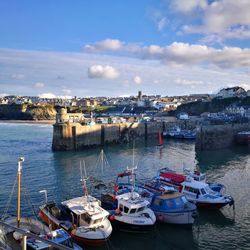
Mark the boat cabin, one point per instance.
(196, 175)
(169, 201)
(197, 188)
(86, 211)
(131, 203)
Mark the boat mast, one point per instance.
(21, 159)
(84, 178)
(132, 169)
(102, 159)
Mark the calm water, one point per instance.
(59, 174)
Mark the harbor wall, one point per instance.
(211, 137)
(74, 136)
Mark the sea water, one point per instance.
(59, 174)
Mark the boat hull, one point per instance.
(127, 227)
(212, 206)
(179, 218)
(88, 242)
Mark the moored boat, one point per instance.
(58, 236)
(196, 191)
(132, 213)
(83, 217)
(169, 205)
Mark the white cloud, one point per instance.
(3, 94)
(46, 66)
(67, 91)
(188, 6)
(107, 44)
(221, 20)
(47, 95)
(158, 18)
(103, 71)
(179, 54)
(17, 76)
(39, 85)
(185, 82)
(137, 80)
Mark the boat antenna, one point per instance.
(45, 194)
(20, 161)
(132, 170)
(83, 178)
(102, 159)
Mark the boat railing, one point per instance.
(26, 233)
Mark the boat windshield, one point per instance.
(85, 218)
(140, 209)
(97, 221)
(208, 190)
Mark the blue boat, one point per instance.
(169, 205)
(58, 236)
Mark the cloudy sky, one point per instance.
(115, 48)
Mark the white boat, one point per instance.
(133, 213)
(91, 223)
(82, 217)
(196, 191)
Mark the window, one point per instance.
(133, 210)
(121, 208)
(140, 209)
(203, 191)
(97, 221)
(126, 209)
(86, 218)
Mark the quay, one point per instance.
(70, 134)
(211, 137)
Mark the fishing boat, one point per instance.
(178, 133)
(169, 205)
(198, 176)
(129, 210)
(178, 178)
(189, 134)
(83, 217)
(28, 223)
(196, 191)
(132, 213)
(58, 236)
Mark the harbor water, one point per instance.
(59, 174)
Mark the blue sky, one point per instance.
(114, 48)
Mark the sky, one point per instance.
(115, 48)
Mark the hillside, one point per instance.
(27, 112)
(216, 105)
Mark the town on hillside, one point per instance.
(228, 105)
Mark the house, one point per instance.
(231, 92)
(183, 116)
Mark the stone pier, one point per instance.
(211, 137)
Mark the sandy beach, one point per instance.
(29, 121)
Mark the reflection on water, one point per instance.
(59, 173)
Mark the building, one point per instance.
(231, 92)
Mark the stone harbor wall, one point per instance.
(218, 136)
(74, 136)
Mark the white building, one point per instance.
(231, 92)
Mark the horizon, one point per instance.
(163, 47)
